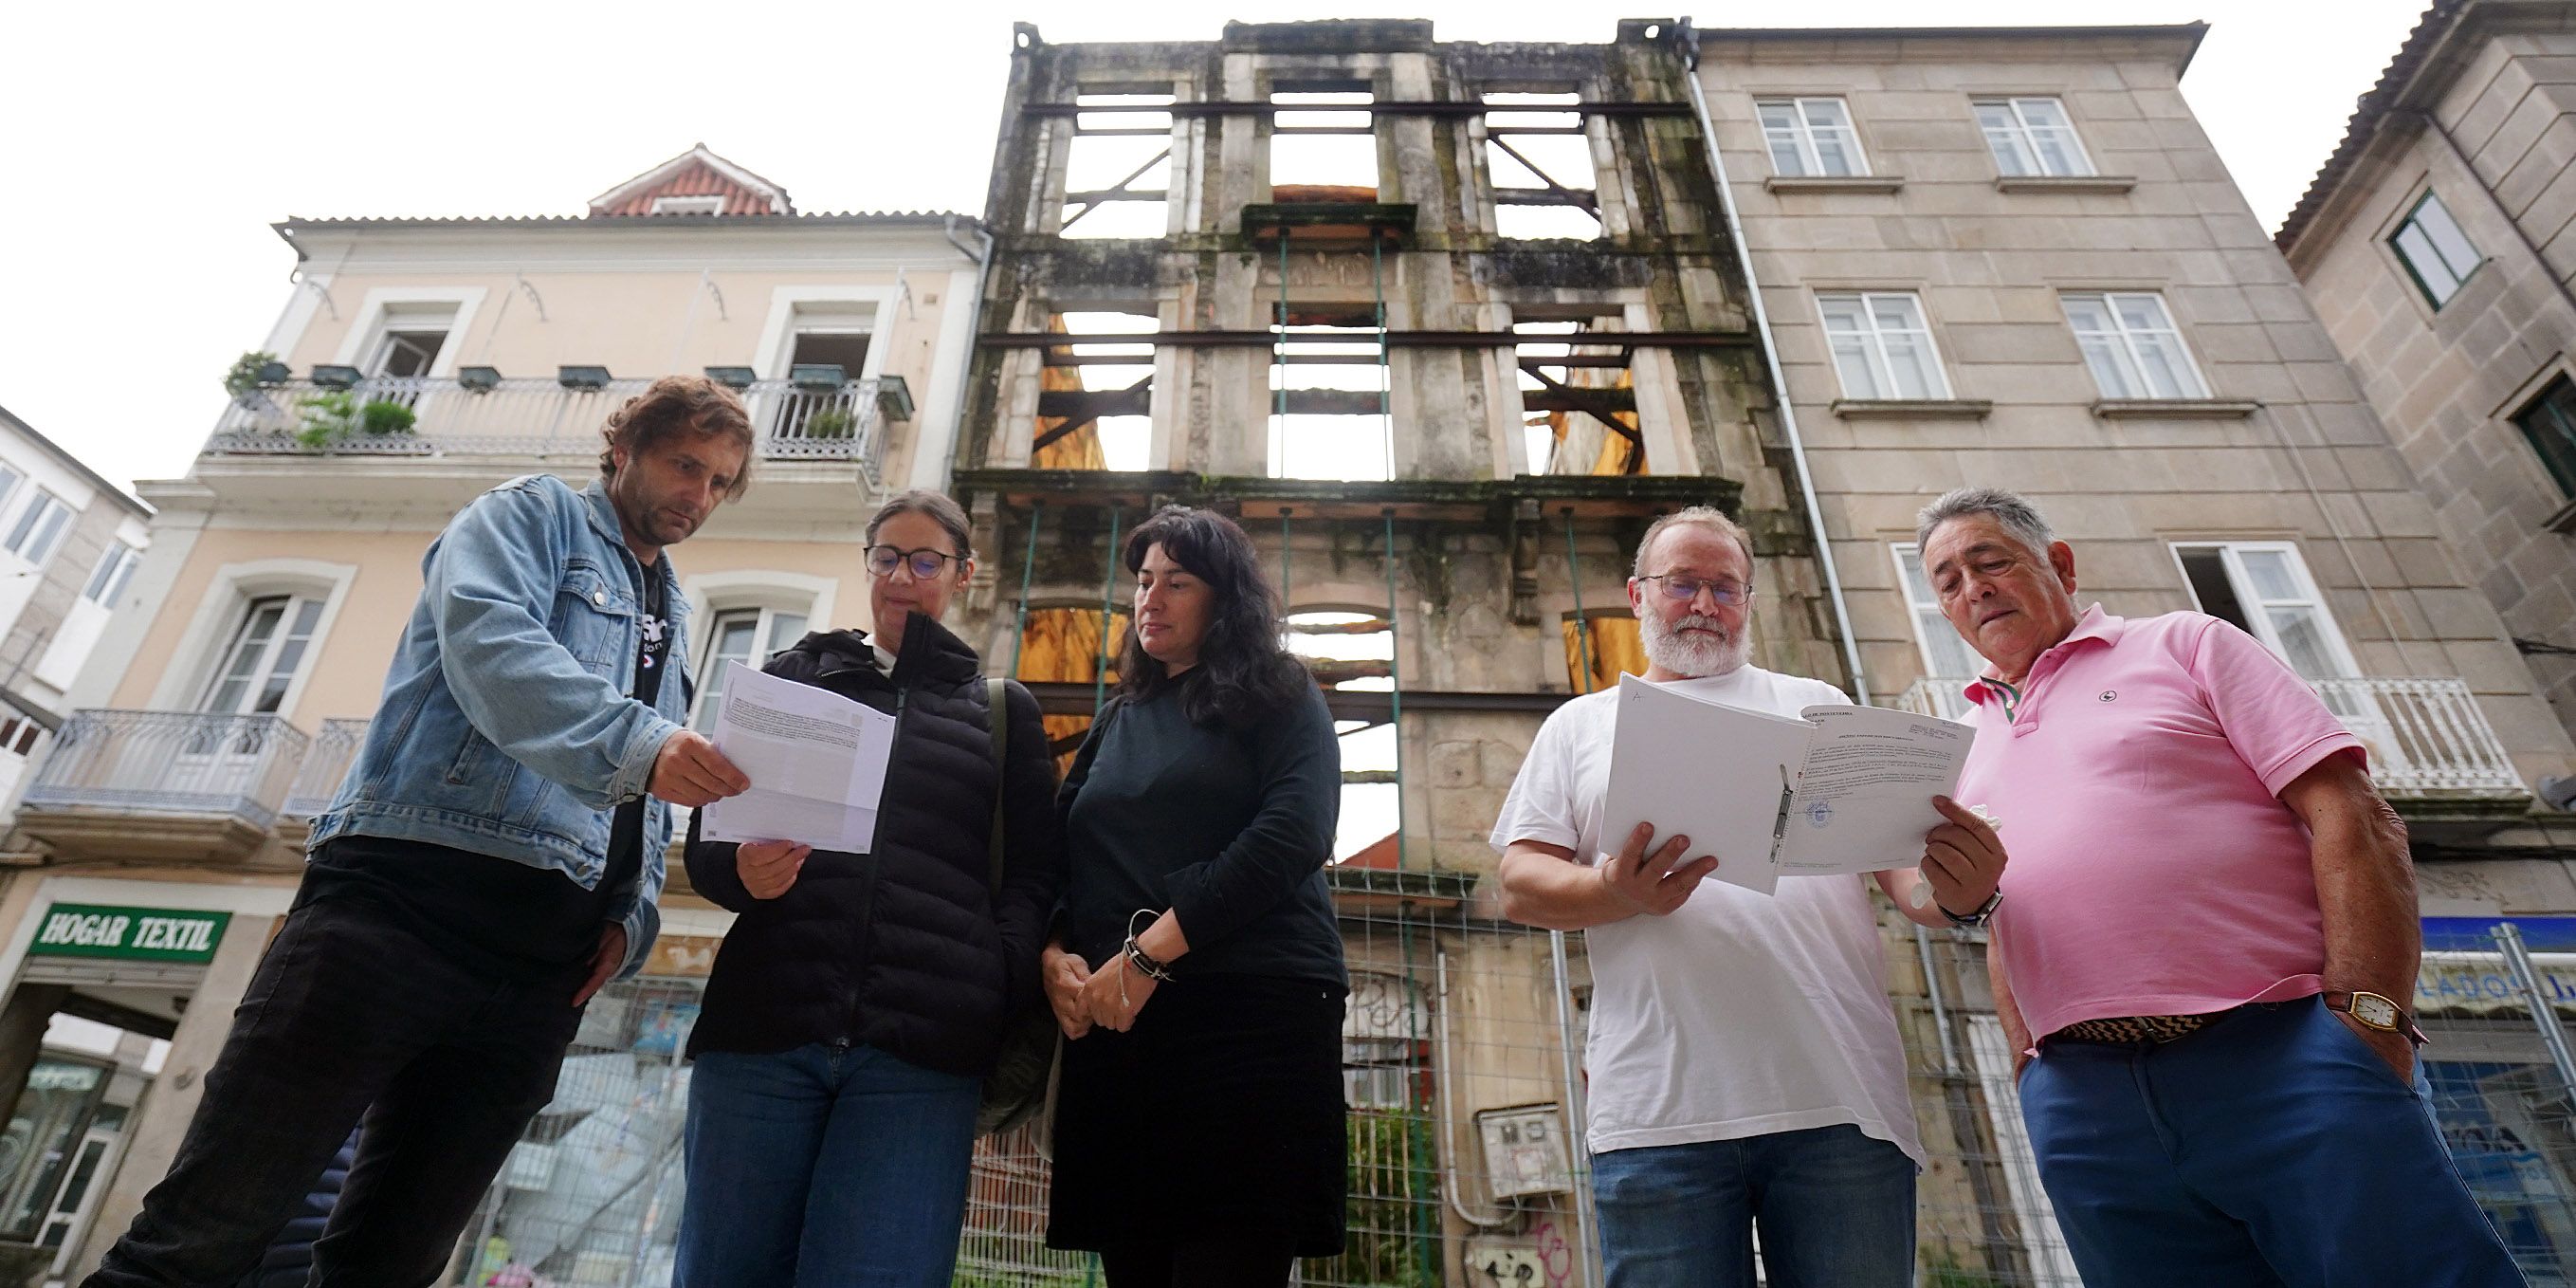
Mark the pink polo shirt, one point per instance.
(2151, 868)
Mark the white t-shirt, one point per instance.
(1740, 1014)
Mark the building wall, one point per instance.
(2309, 464)
(2447, 382)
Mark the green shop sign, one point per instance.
(137, 934)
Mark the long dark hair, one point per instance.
(1242, 675)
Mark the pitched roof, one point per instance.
(696, 173)
(2367, 113)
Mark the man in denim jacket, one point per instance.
(492, 858)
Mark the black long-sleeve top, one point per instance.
(1230, 830)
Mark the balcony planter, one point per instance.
(582, 377)
(818, 377)
(253, 371)
(336, 377)
(894, 398)
(733, 378)
(481, 380)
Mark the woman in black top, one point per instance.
(860, 998)
(1199, 1127)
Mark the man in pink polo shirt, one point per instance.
(2206, 942)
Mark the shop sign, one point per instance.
(2451, 983)
(135, 934)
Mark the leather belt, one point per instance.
(2129, 1030)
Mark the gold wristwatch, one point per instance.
(2374, 1010)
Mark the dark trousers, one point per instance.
(351, 1015)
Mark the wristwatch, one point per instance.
(1984, 913)
(2374, 1010)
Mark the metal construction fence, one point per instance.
(1462, 1068)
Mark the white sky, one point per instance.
(151, 145)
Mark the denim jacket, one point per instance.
(506, 727)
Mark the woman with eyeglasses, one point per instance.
(860, 998)
(1198, 973)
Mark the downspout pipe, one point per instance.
(1771, 365)
(983, 257)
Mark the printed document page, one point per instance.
(1720, 775)
(816, 760)
(1865, 799)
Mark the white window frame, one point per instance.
(703, 204)
(109, 577)
(1908, 582)
(778, 333)
(1881, 371)
(765, 619)
(2458, 268)
(2123, 346)
(41, 523)
(2259, 621)
(713, 595)
(264, 667)
(227, 599)
(2021, 137)
(1800, 135)
(10, 477)
(394, 304)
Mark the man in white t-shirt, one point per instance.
(1745, 1068)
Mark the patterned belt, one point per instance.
(2129, 1030)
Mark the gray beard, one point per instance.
(1692, 656)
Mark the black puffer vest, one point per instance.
(904, 949)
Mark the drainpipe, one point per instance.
(1771, 364)
(983, 257)
(1448, 1130)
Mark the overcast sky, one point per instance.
(150, 146)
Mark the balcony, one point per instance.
(333, 751)
(162, 785)
(2429, 744)
(534, 419)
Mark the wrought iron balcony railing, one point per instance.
(2426, 736)
(415, 416)
(170, 762)
(324, 766)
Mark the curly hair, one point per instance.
(669, 405)
(1242, 676)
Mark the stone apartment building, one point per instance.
(2434, 245)
(69, 545)
(1444, 324)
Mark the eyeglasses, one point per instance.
(925, 563)
(1684, 589)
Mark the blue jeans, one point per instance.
(824, 1167)
(1835, 1209)
(2273, 1148)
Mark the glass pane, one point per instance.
(46, 1127)
(27, 522)
(2438, 281)
(1945, 654)
(2550, 425)
(2141, 312)
(1777, 115)
(2168, 373)
(1835, 155)
(2271, 574)
(2004, 139)
(1918, 587)
(1896, 312)
(2447, 238)
(1842, 313)
(1784, 152)
(2057, 152)
(243, 660)
(2088, 313)
(1910, 366)
(1852, 363)
(784, 630)
(2109, 362)
(2303, 645)
(2043, 113)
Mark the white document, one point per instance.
(1842, 790)
(816, 760)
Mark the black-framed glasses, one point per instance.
(925, 563)
(1684, 589)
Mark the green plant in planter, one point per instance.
(385, 416)
(831, 422)
(250, 371)
(326, 417)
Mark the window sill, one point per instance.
(1833, 183)
(2175, 408)
(2563, 522)
(2078, 183)
(1912, 408)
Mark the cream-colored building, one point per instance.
(2434, 246)
(416, 363)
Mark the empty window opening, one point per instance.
(1063, 644)
(824, 358)
(710, 204)
(1118, 170)
(1095, 400)
(1329, 397)
(1356, 652)
(1538, 158)
(1313, 146)
(1578, 400)
(408, 342)
(1608, 640)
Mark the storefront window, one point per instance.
(37, 1151)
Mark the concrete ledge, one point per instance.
(1834, 183)
(1912, 408)
(2175, 408)
(2079, 183)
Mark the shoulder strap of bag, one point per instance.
(997, 714)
